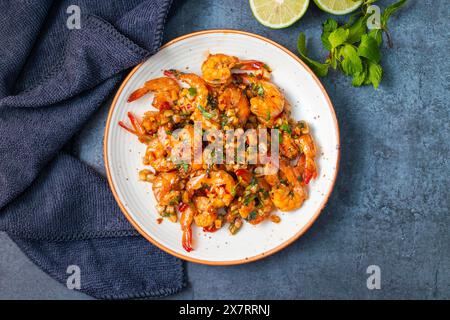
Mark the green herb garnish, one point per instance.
(233, 190)
(353, 48)
(184, 166)
(192, 91)
(205, 113)
(260, 90)
(252, 216)
(286, 128)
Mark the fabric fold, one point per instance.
(58, 210)
(129, 273)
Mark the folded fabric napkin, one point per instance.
(53, 78)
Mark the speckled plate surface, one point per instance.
(123, 153)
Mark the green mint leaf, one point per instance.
(338, 37)
(327, 27)
(375, 73)
(368, 48)
(332, 59)
(320, 69)
(376, 34)
(390, 10)
(351, 64)
(360, 77)
(357, 29)
(330, 25)
(192, 91)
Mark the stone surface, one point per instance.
(390, 206)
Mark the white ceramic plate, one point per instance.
(123, 152)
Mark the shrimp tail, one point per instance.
(172, 73)
(186, 240)
(136, 129)
(137, 94)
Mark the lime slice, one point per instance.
(277, 14)
(338, 7)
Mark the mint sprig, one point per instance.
(353, 48)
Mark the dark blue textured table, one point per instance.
(391, 203)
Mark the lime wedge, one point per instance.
(338, 7)
(277, 14)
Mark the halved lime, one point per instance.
(277, 14)
(338, 7)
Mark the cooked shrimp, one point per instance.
(165, 89)
(207, 212)
(288, 193)
(216, 69)
(234, 104)
(136, 129)
(222, 185)
(195, 95)
(188, 212)
(194, 100)
(164, 185)
(307, 146)
(166, 188)
(255, 203)
(288, 199)
(157, 154)
(218, 185)
(306, 166)
(151, 122)
(267, 102)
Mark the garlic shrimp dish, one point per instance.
(194, 180)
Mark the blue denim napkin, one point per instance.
(58, 210)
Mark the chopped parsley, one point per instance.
(192, 91)
(252, 215)
(258, 89)
(286, 128)
(184, 166)
(233, 190)
(205, 113)
(249, 199)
